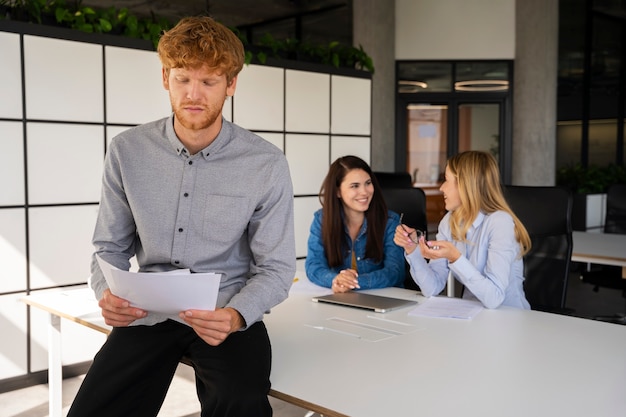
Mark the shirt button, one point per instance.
(190, 162)
(180, 229)
(176, 262)
(186, 194)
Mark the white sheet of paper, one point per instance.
(163, 292)
(447, 307)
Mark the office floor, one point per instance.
(181, 400)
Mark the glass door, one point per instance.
(434, 132)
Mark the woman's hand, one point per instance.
(403, 239)
(345, 281)
(436, 249)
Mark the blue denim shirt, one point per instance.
(389, 272)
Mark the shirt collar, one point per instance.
(220, 141)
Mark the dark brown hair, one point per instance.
(333, 236)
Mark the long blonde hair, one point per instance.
(478, 181)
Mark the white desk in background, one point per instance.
(503, 362)
(600, 248)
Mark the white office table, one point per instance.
(503, 362)
(600, 248)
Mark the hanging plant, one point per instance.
(122, 22)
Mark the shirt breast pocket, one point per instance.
(225, 218)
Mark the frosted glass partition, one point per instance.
(308, 102)
(11, 76)
(304, 207)
(351, 103)
(351, 145)
(259, 98)
(12, 162)
(60, 244)
(13, 250)
(135, 92)
(13, 355)
(308, 157)
(65, 84)
(68, 155)
(79, 94)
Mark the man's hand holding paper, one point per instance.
(133, 295)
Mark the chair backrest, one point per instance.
(411, 202)
(615, 221)
(546, 212)
(394, 179)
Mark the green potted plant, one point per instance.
(588, 184)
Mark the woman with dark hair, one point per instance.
(480, 240)
(351, 238)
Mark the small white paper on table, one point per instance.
(447, 307)
(163, 292)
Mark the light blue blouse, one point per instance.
(390, 272)
(490, 266)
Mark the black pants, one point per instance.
(132, 372)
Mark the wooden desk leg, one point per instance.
(55, 371)
(624, 272)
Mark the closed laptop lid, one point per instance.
(377, 303)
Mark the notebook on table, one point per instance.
(377, 303)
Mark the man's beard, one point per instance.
(207, 119)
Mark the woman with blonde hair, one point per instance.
(480, 240)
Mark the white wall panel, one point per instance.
(12, 163)
(259, 98)
(351, 105)
(13, 250)
(60, 244)
(455, 29)
(135, 92)
(13, 354)
(78, 343)
(350, 145)
(11, 76)
(304, 207)
(65, 163)
(307, 96)
(308, 161)
(63, 80)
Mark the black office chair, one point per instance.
(546, 212)
(608, 276)
(411, 202)
(394, 179)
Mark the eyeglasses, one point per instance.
(415, 235)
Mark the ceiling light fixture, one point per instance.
(482, 85)
(420, 84)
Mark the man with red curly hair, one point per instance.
(192, 191)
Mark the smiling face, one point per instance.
(355, 191)
(450, 190)
(197, 97)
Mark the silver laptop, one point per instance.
(357, 299)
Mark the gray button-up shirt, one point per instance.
(227, 209)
